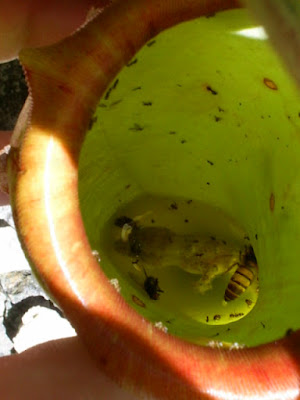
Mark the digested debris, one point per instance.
(135, 263)
(236, 315)
(114, 103)
(212, 91)
(270, 84)
(132, 62)
(136, 127)
(149, 44)
(249, 302)
(170, 321)
(173, 206)
(138, 301)
(115, 84)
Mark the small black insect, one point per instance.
(151, 286)
(132, 62)
(212, 91)
(289, 332)
(173, 206)
(149, 44)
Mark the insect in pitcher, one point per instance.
(154, 246)
(151, 286)
(243, 276)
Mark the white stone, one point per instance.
(40, 325)
(11, 253)
(6, 214)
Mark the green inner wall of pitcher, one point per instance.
(201, 113)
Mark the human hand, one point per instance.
(60, 369)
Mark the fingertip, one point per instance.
(40, 23)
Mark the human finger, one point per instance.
(60, 369)
(34, 23)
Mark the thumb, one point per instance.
(39, 23)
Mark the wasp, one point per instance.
(243, 276)
(155, 246)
